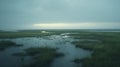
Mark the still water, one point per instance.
(63, 42)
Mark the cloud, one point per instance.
(85, 25)
(32, 11)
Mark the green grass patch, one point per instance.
(6, 44)
(22, 34)
(41, 56)
(105, 53)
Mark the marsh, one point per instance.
(72, 48)
(62, 43)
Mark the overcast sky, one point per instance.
(88, 14)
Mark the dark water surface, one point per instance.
(63, 42)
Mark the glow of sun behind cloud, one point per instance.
(84, 25)
(63, 25)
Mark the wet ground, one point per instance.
(62, 42)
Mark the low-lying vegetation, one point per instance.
(32, 33)
(105, 51)
(105, 47)
(22, 34)
(6, 44)
(41, 56)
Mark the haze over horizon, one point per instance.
(59, 14)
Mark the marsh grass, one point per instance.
(32, 33)
(6, 44)
(42, 56)
(20, 34)
(105, 53)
